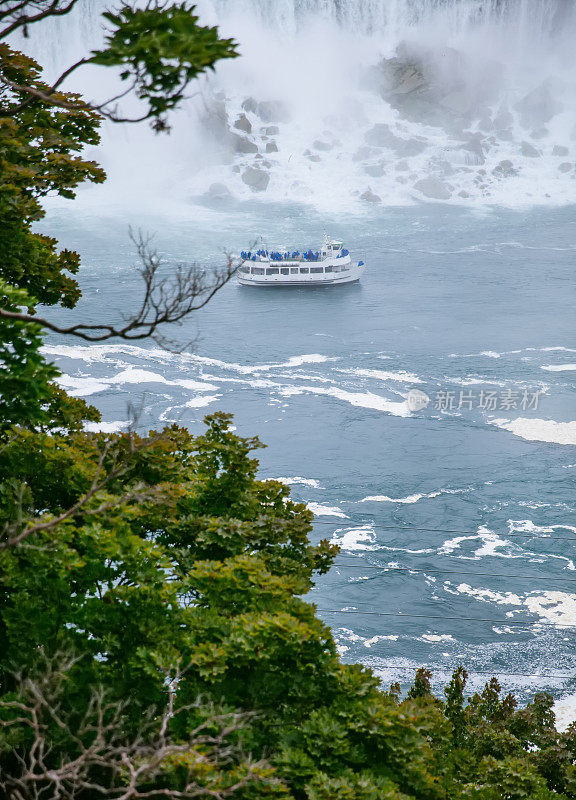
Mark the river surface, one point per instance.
(457, 522)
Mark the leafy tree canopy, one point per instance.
(155, 639)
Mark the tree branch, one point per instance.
(51, 9)
(165, 301)
(21, 529)
(99, 758)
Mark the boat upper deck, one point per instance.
(331, 250)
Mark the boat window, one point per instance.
(272, 271)
(245, 269)
(294, 270)
(258, 271)
(304, 270)
(336, 268)
(329, 269)
(336, 246)
(316, 269)
(285, 271)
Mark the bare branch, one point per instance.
(49, 8)
(166, 300)
(100, 758)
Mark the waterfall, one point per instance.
(343, 103)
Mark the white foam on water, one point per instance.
(367, 400)
(553, 606)
(106, 427)
(298, 481)
(412, 498)
(104, 353)
(565, 711)
(326, 511)
(401, 376)
(560, 367)
(475, 382)
(489, 596)
(81, 387)
(539, 430)
(527, 526)
(436, 637)
(297, 361)
(382, 498)
(382, 638)
(134, 375)
(201, 402)
(488, 353)
(491, 545)
(563, 349)
(353, 539)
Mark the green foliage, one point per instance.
(160, 49)
(161, 564)
(185, 558)
(40, 154)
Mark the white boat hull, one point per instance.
(329, 272)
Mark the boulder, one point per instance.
(217, 191)
(313, 157)
(272, 130)
(433, 188)
(271, 147)
(380, 135)
(503, 119)
(375, 170)
(369, 197)
(459, 102)
(415, 83)
(485, 124)
(272, 111)
(529, 151)
(250, 105)
(475, 150)
(505, 169)
(216, 119)
(411, 147)
(465, 195)
(560, 150)
(256, 179)
(243, 124)
(319, 145)
(363, 153)
(539, 106)
(242, 145)
(566, 166)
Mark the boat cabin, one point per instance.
(331, 249)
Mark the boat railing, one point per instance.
(276, 257)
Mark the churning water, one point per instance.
(437, 139)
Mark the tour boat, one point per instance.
(329, 266)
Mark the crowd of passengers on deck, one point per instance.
(264, 255)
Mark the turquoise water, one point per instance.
(461, 515)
